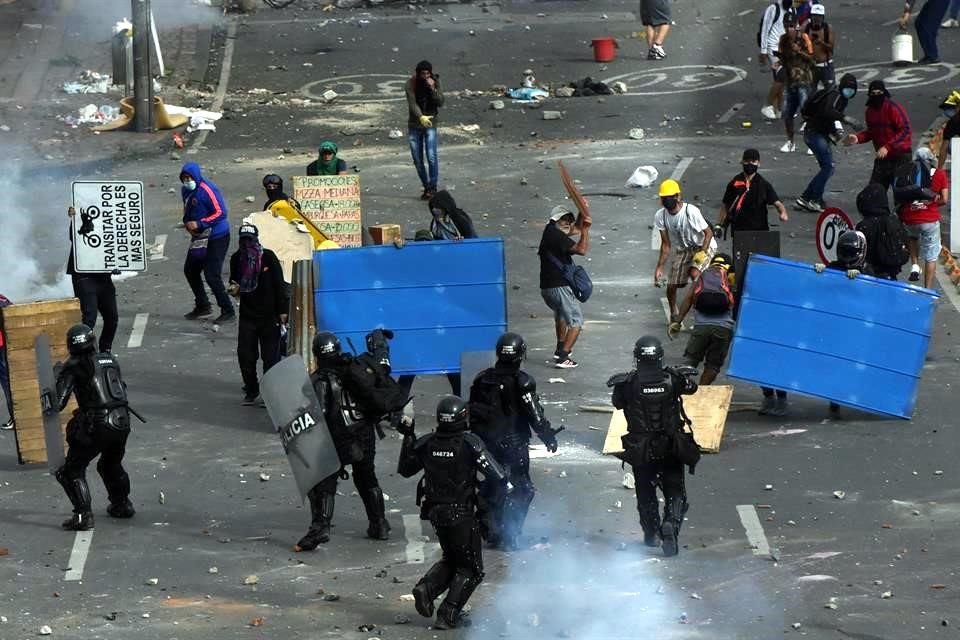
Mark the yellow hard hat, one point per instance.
(952, 100)
(669, 187)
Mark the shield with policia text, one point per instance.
(297, 416)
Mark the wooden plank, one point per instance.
(707, 409)
(23, 338)
(32, 309)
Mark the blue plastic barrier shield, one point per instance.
(860, 343)
(441, 298)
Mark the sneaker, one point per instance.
(250, 399)
(8, 425)
(809, 151)
(658, 51)
(651, 54)
(914, 273)
(788, 147)
(559, 354)
(224, 317)
(199, 312)
(809, 204)
(950, 23)
(567, 363)
(769, 112)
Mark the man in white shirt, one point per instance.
(685, 236)
(771, 28)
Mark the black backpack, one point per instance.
(814, 107)
(713, 293)
(912, 181)
(367, 380)
(760, 27)
(886, 240)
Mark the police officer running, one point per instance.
(99, 426)
(353, 431)
(656, 444)
(504, 407)
(450, 459)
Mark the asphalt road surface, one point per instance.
(880, 563)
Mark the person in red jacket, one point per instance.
(888, 127)
(922, 218)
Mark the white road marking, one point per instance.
(136, 335)
(413, 532)
(729, 113)
(78, 556)
(949, 289)
(677, 175)
(755, 535)
(221, 85)
(159, 244)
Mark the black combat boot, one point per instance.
(650, 522)
(79, 495)
(673, 514)
(379, 528)
(321, 511)
(118, 491)
(448, 614)
(422, 599)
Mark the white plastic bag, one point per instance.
(642, 177)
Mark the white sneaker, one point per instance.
(769, 112)
(809, 151)
(914, 273)
(788, 147)
(950, 23)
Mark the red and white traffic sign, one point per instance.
(832, 222)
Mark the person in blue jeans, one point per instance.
(823, 114)
(424, 99)
(205, 217)
(927, 24)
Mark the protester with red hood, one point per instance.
(888, 128)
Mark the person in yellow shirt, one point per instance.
(280, 204)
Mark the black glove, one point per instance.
(549, 438)
(405, 425)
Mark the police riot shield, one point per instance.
(297, 416)
(52, 436)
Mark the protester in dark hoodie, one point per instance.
(205, 217)
(885, 234)
(328, 164)
(256, 277)
(888, 128)
(448, 221)
(424, 99)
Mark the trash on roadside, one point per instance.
(588, 87)
(642, 177)
(88, 82)
(395, 134)
(564, 92)
(529, 94)
(629, 482)
(636, 133)
(45, 630)
(329, 95)
(556, 381)
(250, 199)
(251, 580)
(92, 114)
(200, 119)
(839, 495)
(552, 115)
(470, 128)
(619, 87)
(497, 105)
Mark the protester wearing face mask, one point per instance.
(824, 115)
(823, 39)
(328, 164)
(888, 128)
(747, 198)
(951, 110)
(684, 233)
(280, 204)
(205, 218)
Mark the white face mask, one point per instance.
(190, 185)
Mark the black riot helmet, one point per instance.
(451, 414)
(851, 248)
(511, 349)
(326, 347)
(648, 353)
(80, 340)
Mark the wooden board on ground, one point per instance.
(21, 325)
(333, 203)
(284, 238)
(707, 409)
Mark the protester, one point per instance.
(888, 128)
(713, 304)
(922, 218)
(256, 278)
(886, 235)
(683, 233)
(280, 204)
(424, 99)
(747, 199)
(928, 24)
(951, 129)
(796, 56)
(824, 41)
(448, 221)
(205, 217)
(556, 249)
(328, 164)
(768, 38)
(5, 372)
(655, 17)
(95, 291)
(823, 115)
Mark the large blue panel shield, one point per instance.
(860, 343)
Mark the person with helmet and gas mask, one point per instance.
(99, 427)
(504, 409)
(450, 459)
(280, 204)
(656, 444)
(684, 233)
(352, 428)
(713, 303)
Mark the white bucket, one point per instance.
(902, 48)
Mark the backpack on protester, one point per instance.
(886, 240)
(776, 19)
(712, 291)
(575, 275)
(911, 182)
(815, 105)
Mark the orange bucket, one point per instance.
(604, 49)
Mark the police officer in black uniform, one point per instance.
(450, 459)
(99, 426)
(504, 408)
(353, 432)
(650, 398)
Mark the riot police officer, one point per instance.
(504, 408)
(99, 426)
(450, 459)
(353, 432)
(650, 398)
